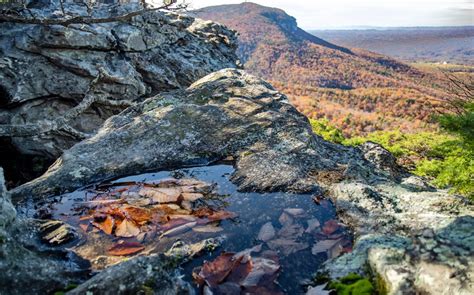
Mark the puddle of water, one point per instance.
(253, 210)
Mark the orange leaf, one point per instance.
(107, 225)
(125, 248)
(139, 215)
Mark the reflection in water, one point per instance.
(301, 233)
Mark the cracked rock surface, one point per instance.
(45, 71)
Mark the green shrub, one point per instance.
(330, 133)
(446, 159)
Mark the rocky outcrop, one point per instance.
(413, 238)
(411, 235)
(227, 113)
(59, 83)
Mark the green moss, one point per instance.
(353, 284)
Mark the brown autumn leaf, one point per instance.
(264, 272)
(172, 223)
(325, 246)
(179, 230)
(330, 226)
(107, 225)
(125, 248)
(215, 272)
(127, 229)
(137, 214)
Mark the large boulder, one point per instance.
(227, 113)
(46, 71)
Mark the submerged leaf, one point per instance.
(286, 247)
(179, 230)
(285, 219)
(330, 226)
(267, 232)
(313, 224)
(324, 246)
(214, 272)
(125, 248)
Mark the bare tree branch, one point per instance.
(169, 5)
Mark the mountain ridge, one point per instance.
(273, 47)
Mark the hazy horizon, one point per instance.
(347, 14)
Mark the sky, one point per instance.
(327, 14)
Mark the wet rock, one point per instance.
(56, 232)
(25, 266)
(226, 113)
(152, 274)
(46, 70)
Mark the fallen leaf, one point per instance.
(263, 273)
(324, 246)
(285, 219)
(208, 229)
(295, 212)
(173, 223)
(107, 225)
(330, 226)
(125, 248)
(291, 231)
(313, 224)
(215, 272)
(245, 254)
(267, 232)
(286, 247)
(127, 229)
(179, 230)
(137, 214)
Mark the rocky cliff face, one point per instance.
(59, 83)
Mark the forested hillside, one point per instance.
(359, 91)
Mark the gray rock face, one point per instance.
(141, 275)
(227, 113)
(416, 239)
(46, 71)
